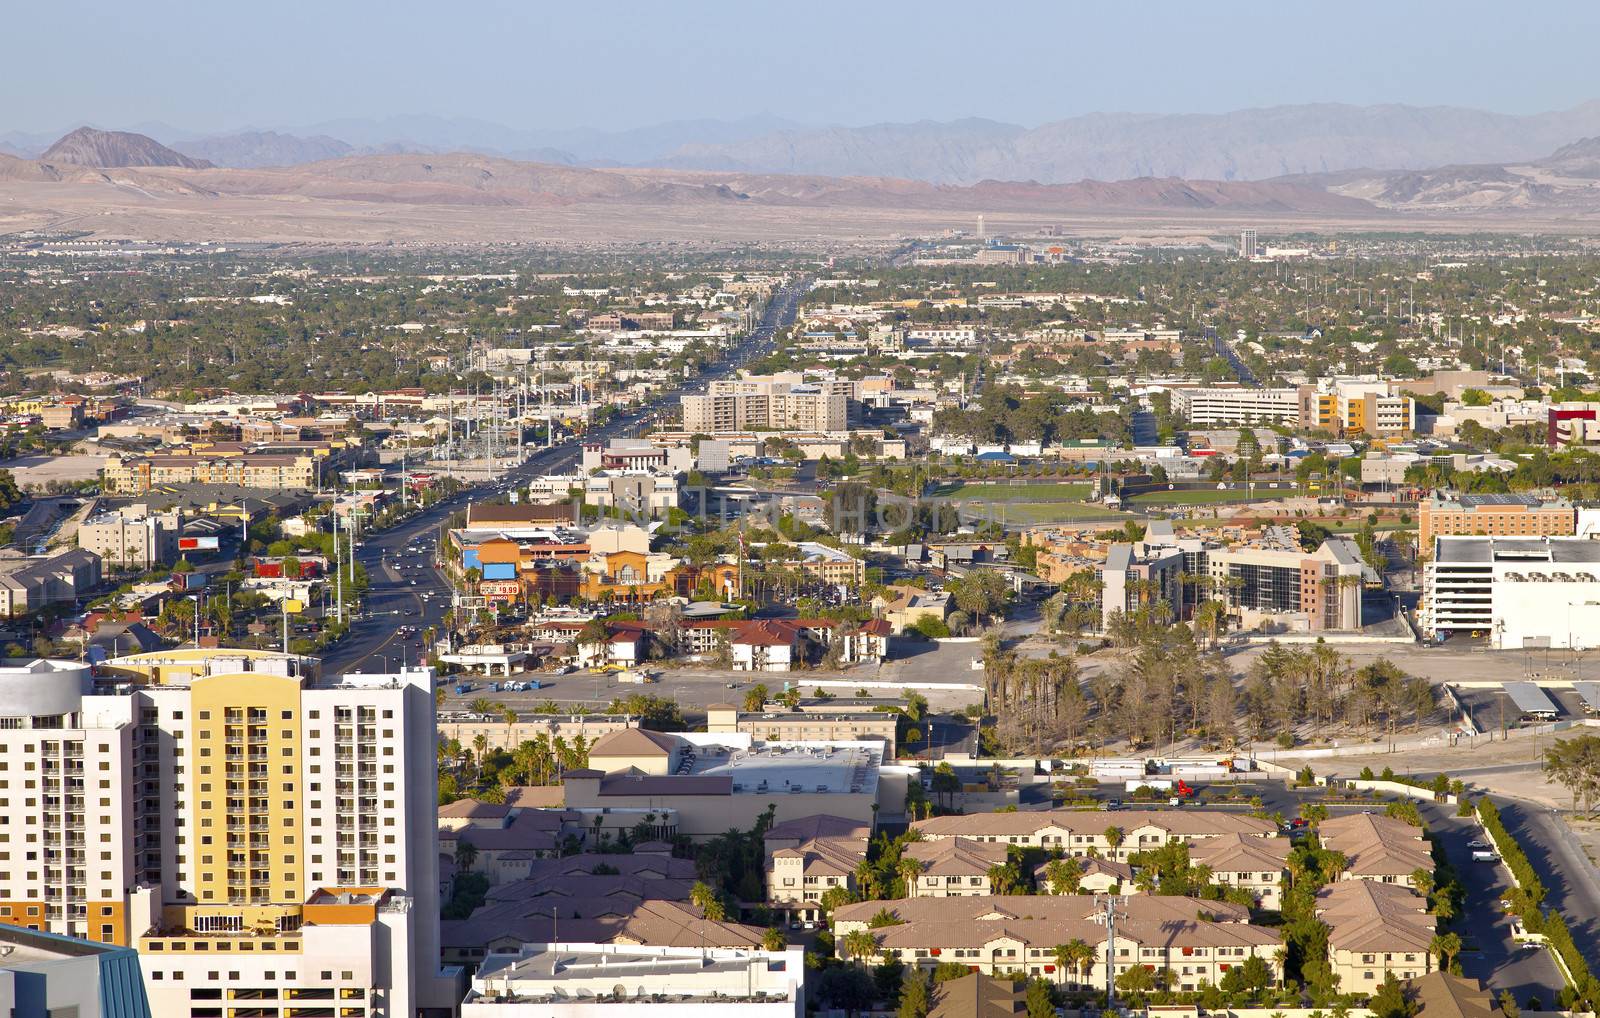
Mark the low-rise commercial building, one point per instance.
(572, 980)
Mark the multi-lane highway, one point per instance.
(398, 560)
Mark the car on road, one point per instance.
(1478, 843)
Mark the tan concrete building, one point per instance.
(1377, 848)
(774, 405)
(131, 539)
(809, 855)
(270, 471)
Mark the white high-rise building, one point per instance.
(1247, 244)
(256, 832)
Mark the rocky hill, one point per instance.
(90, 147)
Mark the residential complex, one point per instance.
(756, 404)
(995, 935)
(1080, 833)
(1270, 583)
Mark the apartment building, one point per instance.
(1493, 515)
(807, 856)
(1375, 930)
(1076, 832)
(1278, 584)
(1518, 592)
(131, 538)
(257, 833)
(1378, 849)
(1258, 865)
(952, 867)
(994, 935)
(268, 471)
(736, 405)
(1233, 405)
(634, 493)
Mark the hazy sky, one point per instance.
(222, 65)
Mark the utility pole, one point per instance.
(1110, 908)
(338, 567)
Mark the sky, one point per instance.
(613, 64)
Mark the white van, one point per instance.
(1485, 857)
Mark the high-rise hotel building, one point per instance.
(264, 837)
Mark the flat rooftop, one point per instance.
(568, 974)
(796, 767)
(1484, 550)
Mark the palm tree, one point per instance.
(481, 705)
(1083, 954)
(1445, 947)
(909, 869)
(1114, 836)
(859, 945)
(466, 853)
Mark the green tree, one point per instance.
(914, 1001)
(1040, 1004)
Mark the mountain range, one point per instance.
(1252, 144)
(132, 185)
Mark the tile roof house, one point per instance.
(1375, 929)
(978, 996)
(1377, 847)
(953, 867)
(1259, 865)
(1018, 934)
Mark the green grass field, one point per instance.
(1059, 512)
(1203, 496)
(1045, 491)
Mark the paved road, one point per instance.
(1572, 885)
(398, 578)
(1490, 954)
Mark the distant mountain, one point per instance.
(250, 149)
(1253, 144)
(632, 146)
(89, 147)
